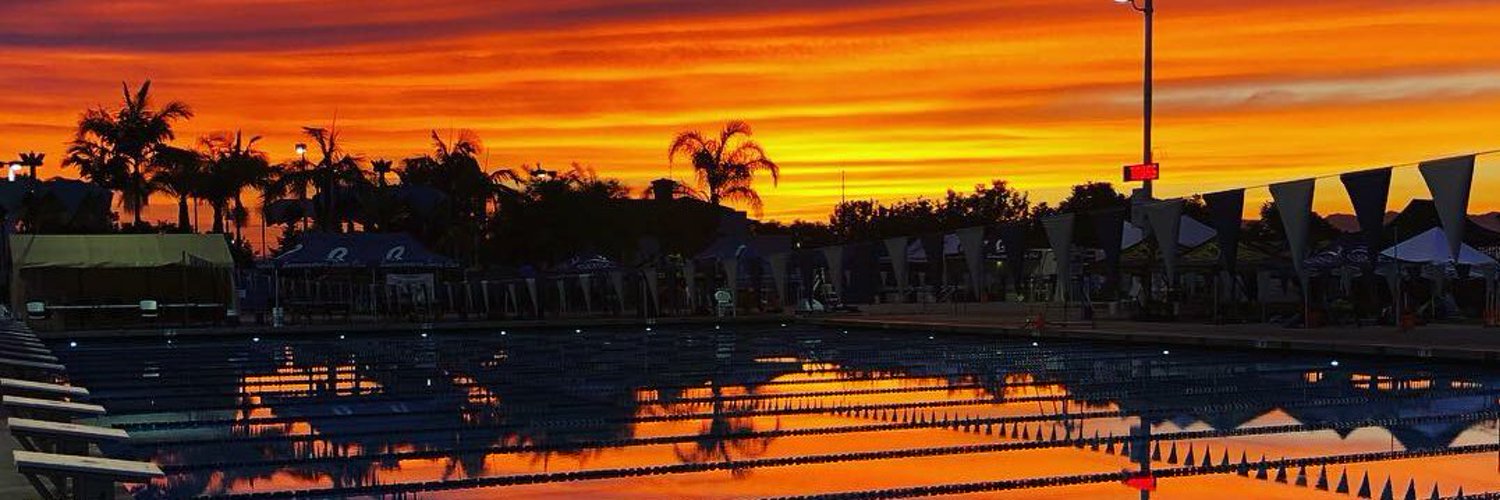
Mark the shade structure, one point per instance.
(834, 255)
(1109, 227)
(1190, 233)
(359, 250)
(193, 271)
(118, 251)
(971, 241)
(1060, 235)
(779, 275)
(1165, 218)
(933, 252)
(1431, 247)
(617, 282)
(1009, 245)
(895, 248)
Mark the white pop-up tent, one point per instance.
(1431, 248)
(1190, 234)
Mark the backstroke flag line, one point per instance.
(1165, 218)
(1294, 203)
(1449, 181)
(1226, 210)
(1060, 235)
(1368, 190)
(972, 241)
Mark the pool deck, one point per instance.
(397, 327)
(1439, 341)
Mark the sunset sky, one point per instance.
(907, 97)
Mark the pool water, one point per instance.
(781, 411)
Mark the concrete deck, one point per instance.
(396, 327)
(1442, 341)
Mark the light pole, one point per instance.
(1147, 8)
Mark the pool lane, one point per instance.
(745, 412)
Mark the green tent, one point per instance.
(100, 280)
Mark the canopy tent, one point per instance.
(1206, 256)
(738, 247)
(1349, 250)
(359, 250)
(1191, 234)
(1431, 247)
(586, 264)
(118, 251)
(88, 276)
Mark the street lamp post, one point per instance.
(1147, 8)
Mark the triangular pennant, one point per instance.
(1165, 218)
(1368, 191)
(1449, 180)
(895, 248)
(779, 275)
(1294, 203)
(971, 242)
(1109, 226)
(1227, 213)
(835, 257)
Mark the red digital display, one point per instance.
(1141, 481)
(1142, 172)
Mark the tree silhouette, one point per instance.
(234, 164)
(180, 173)
(115, 148)
(726, 166)
(335, 168)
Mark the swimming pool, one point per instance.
(773, 411)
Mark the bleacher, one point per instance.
(59, 457)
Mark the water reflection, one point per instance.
(765, 412)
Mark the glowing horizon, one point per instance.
(906, 99)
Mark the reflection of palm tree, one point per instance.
(115, 149)
(726, 166)
(722, 438)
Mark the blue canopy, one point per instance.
(359, 250)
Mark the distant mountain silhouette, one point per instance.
(1349, 224)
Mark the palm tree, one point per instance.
(453, 168)
(114, 149)
(335, 168)
(726, 166)
(32, 161)
(234, 165)
(180, 173)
